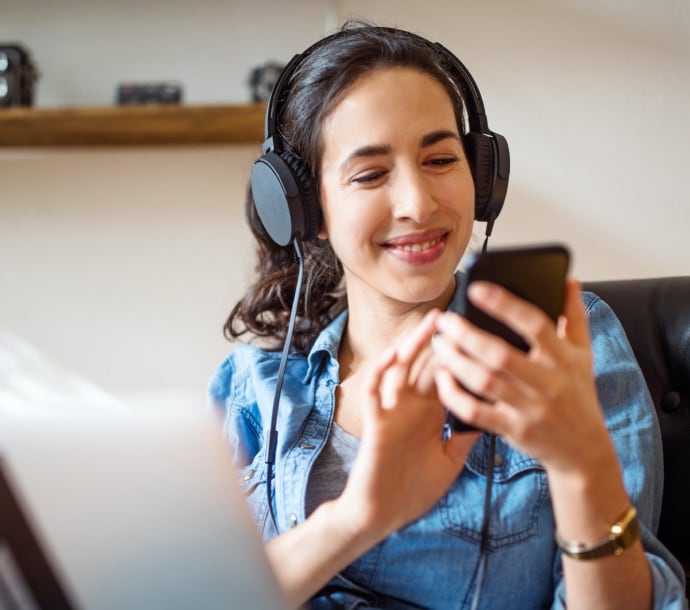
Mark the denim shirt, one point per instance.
(433, 561)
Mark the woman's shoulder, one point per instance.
(610, 345)
(237, 371)
(249, 365)
(600, 316)
(593, 302)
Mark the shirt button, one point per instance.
(293, 520)
(498, 459)
(249, 475)
(308, 446)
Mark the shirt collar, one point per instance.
(326, 345)
(456, 301)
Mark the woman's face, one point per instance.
(396, 189)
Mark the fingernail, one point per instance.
(444, 321)
(480, 290)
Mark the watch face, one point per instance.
(623, 534)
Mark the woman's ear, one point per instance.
(323, 234)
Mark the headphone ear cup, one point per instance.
(490, 162)
(311, 208)
(285, 198)
(480, 156)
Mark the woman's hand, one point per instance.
(404, 465)
(543, 402)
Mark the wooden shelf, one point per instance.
(132, 125)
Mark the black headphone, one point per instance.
(283, 188)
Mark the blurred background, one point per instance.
(121, 264)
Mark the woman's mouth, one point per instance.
(419, 247)
(418, 250)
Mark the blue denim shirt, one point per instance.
(432, 562)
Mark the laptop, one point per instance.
(113, 510)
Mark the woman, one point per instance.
(374, 503)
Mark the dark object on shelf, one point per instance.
(17, 76)
(262, 79)
(148, 93)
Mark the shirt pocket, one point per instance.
(519, 497)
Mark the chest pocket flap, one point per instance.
(519, 496)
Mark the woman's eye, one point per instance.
(442, 161)
(368, 177)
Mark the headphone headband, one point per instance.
(276, 93)
(476, 115)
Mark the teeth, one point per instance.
(419, 247)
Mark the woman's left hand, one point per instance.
(544, 402)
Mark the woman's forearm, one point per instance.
(306, 557)
(585, 507)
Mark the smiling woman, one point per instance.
(375, 502)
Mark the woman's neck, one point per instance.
(374, 325)
(371, 328)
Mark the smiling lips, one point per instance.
(418, 250)
(419, 247)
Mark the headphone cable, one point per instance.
(488, 230)
(484, 535)
(272, 441)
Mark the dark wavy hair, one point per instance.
(323, 76)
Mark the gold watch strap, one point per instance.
(622, 535)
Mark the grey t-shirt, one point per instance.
(331, 469)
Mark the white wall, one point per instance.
(83, 48)
(122, 264)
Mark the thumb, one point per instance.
(573, 323)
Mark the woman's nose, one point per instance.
(412, 197)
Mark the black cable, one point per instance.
(484, 535)
(489, 229)
(272, 440)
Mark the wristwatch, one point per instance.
(622, 535)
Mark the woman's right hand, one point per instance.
(404, 464)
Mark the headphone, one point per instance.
(283, 189)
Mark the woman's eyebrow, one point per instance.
(366, 151)
(437, 136)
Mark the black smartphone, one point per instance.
(534, 273)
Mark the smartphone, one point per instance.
(534, 273)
